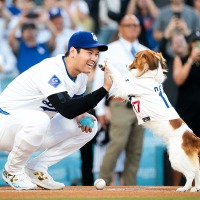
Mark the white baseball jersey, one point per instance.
(149, 101)
(31, 88)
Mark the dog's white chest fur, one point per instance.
(149, 101)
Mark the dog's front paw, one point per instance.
(102, 67)
(181, 189)
(194, 189)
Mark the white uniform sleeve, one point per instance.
(48, 79)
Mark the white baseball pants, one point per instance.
(25, 132)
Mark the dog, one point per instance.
(143, 88)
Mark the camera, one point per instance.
(177, 15)
(32, 15)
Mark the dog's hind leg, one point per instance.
(196, 188)
(189, 178)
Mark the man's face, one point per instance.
(179, 44)
(29, 34)
(129, 28)
(58, 23)
(86, 60)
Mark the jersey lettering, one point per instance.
(49, 106)
(159, 89)
(136, 106)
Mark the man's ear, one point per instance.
(72, 51)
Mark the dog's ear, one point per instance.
(137, 62)
(142, 70)
(150, 58)
(140, 63)
(162, 61)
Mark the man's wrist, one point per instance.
(107, 88)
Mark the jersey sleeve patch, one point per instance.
(54, 81)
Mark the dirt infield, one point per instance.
(81, 191)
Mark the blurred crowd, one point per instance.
(44, 27)
(32, 30)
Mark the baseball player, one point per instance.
(41, 110)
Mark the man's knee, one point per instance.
(36, 127)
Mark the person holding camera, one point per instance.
(27, 49)
(177, 16)
(186, 74)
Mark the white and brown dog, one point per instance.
(143, 87)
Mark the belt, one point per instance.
(116, 99)
(4, 112)
(128, 104)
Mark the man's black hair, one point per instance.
(77, 49)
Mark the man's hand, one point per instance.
(107, 79)
(104, 120)
(85, 129)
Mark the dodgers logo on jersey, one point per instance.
(54, 81)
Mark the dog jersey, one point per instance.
(30, 89)
(149, 101)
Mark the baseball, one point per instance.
(87, 121)
(100, 184)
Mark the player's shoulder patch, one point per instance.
(54, 81)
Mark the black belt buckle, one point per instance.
(129, 105)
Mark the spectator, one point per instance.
(16, 7)
(186, 73)
(48, 5)
(175, 17)
(63, 34)
(27, 50)
(8, 69)
(107, 25)
(5, 17)
(26, 7)
(78, 12)
(196, 6)
(117, 16)
(94, 13)
(146, 11)
(125, 134)
(8, 60)
(179, 47)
